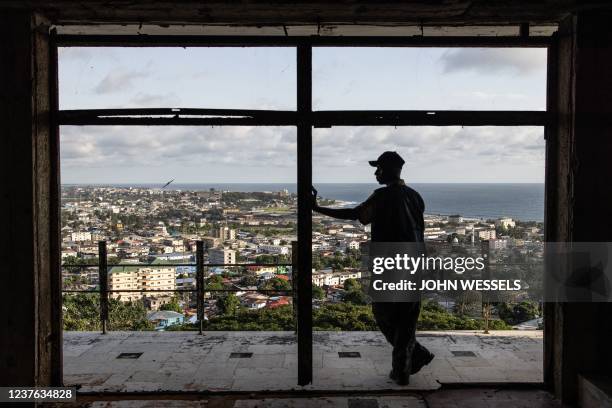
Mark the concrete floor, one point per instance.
(185, 361)
(456, 398)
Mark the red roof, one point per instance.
(280, 302)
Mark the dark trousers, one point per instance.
(397, 322)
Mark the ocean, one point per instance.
(521, 201)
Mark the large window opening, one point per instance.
(247, 130)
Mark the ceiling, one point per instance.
(296, 13)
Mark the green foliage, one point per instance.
(128, 316)
(275, 284)
(515, 313)
(272, 259)
(318, 292)
(82, 312)
(354, 292)
(435, 317)
(279, 318)
(355, 296)
(339, 261)
(352, 284)
(228, 304)
(173, 306)
(343, 316)
(214, 282)
(316, 262)
(248, 280)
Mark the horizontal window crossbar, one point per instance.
(174, 264)
(75, 40)
(176, 116)
(429, 118)
(177, 290)
(236, 117)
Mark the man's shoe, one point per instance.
(400, 379)
(421, 361)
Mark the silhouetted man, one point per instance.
(395, 213)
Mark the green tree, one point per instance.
(355, 296)
(214, 282)
(82, 312)
(249, 280)
(515, 313)
(343, 316)
(352, 284)
(173, 305)
(228, 304)
(318, 292)
(275, 284)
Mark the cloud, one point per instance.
(147, 100)
(79, 54)
(118, 81)
(440, 154)
(520, 61)
(257, 154)
(114, 147)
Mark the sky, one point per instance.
(265, 78)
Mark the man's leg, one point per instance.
(420, 357)
(405, 340)
(383, 316)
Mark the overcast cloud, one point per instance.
(118, 81)
(265, 79)
(492, 61)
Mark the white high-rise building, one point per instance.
(158, 278)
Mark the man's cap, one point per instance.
(388, 159)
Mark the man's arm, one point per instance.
(341, 213)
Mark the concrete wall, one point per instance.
(579, 193)
(30, 336)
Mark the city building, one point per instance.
(505, 223)
(273, 249)
(165, 318)
(221, 256)
(225, 233)
(80, 236)
(158, 278)
(486, 234)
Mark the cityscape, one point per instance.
(151, 236)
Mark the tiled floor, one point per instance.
(185, 361)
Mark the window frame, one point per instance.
(303, 118)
